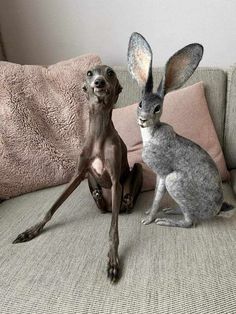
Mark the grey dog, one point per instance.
(112, 184)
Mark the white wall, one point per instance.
(46, 31)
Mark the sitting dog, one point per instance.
(104, 160)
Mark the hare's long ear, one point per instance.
(140, 62)
(180, 67)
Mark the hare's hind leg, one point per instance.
(184, 222)
(131, 188)
(175, 185)
(172, 211)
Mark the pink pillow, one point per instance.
(187, 111)
(43, 114)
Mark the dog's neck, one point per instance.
(99, 119)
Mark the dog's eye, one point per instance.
(140, 105)
(110, 72)
(89, 73)
(157, 109)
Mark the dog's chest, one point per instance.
(97, 165)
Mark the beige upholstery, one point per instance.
(2, 57)
(63, 271)
(230, 120)
(233, 180)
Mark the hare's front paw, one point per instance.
(147, 220)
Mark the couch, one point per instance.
(164, 270)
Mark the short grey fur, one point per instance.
(186, 171)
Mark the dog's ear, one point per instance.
(118, 88)
(85, 89)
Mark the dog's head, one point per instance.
(102, 82)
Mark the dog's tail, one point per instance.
(227, 210)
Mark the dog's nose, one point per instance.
(99, 82)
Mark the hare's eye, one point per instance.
(157, 109)
(140, 105)
(89, 73)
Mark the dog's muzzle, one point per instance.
(100, 87)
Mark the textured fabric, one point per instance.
(230, 120)
(233, 180)
(164, 270)
(215, 90)
(43, 113)
(186, 110)
(2, 54)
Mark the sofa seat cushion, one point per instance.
(164, 270)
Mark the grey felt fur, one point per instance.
(186, 171)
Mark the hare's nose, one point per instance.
(142, 120)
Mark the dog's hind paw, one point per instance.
(127, 204)
(29, 234)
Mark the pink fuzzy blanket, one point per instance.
(42, 123)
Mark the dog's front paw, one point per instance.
(147, 220)
(113, 270)
(29, 234)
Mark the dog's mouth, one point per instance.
(100, 91)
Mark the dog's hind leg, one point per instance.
(97, 194)
(131, 188)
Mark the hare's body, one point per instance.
(189, 173)
(185, 170)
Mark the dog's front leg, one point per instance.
(36, 229)
(113, 259)
(113, 167)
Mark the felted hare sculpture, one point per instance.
(185, 170)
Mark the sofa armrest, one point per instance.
(233, 179)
